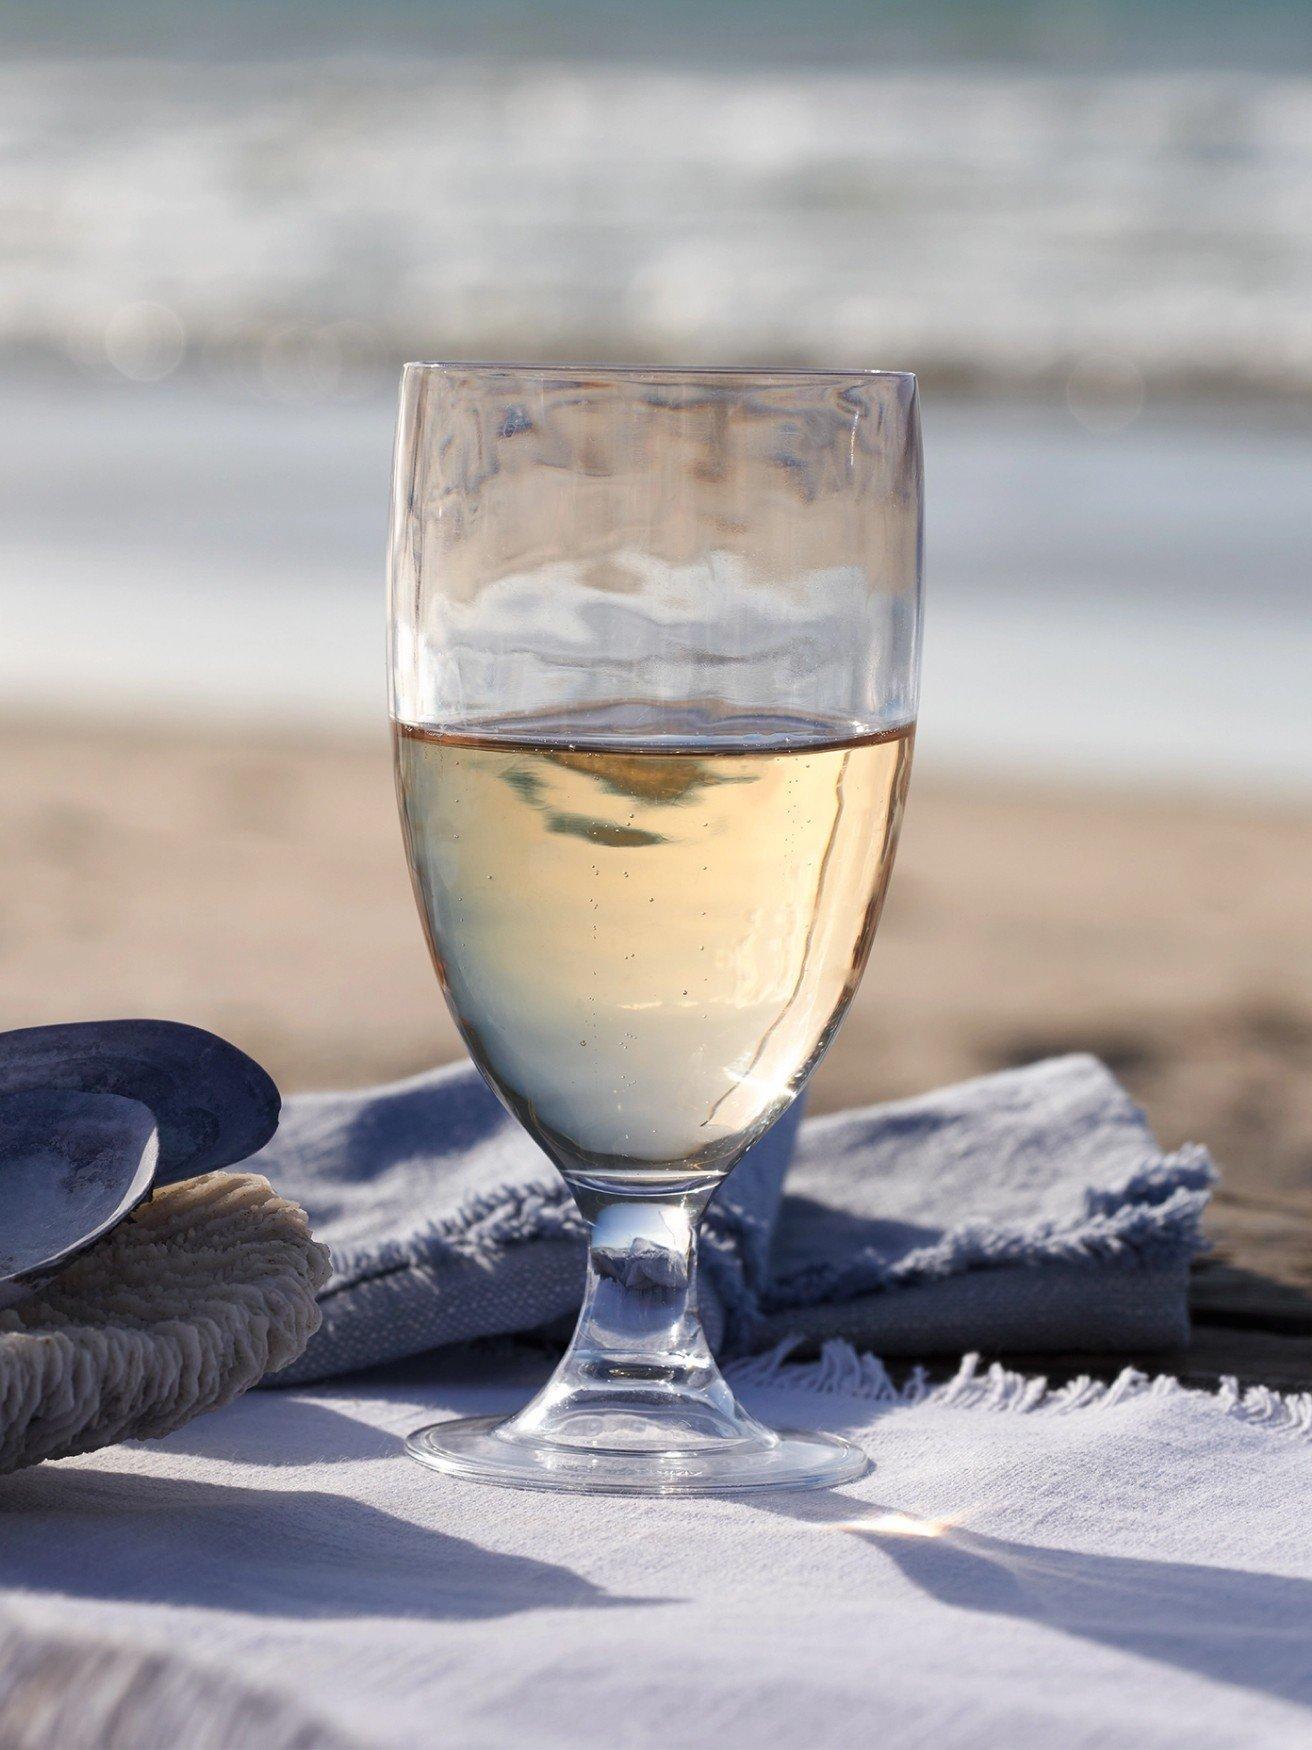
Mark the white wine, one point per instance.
(648, 937)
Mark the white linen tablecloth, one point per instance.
(1124, 1566)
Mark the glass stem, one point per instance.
(639, 1313)
(639, 1358)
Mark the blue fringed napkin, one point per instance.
(1030, 1209)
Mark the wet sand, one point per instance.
(254, 883)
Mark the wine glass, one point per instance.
(655, 642)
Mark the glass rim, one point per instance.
(660, 373)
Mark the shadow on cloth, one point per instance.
(418, 1120)
(809, 1229)
(1250, 1630)
(301, 1433)
(271, 1552)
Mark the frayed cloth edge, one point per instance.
(491, 1223)
(1154, 1217)
(843, 1371)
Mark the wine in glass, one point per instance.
(654, 646)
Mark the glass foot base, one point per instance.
(481, 1450)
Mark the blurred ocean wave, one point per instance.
(1110, 233)
(1129, 607)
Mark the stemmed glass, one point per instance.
(654, 650)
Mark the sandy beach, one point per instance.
(253, 882)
